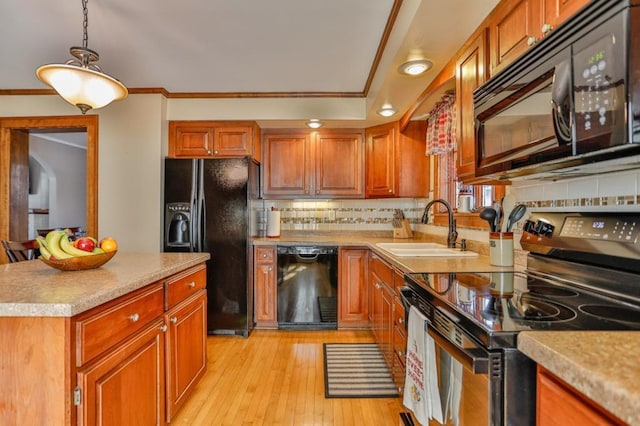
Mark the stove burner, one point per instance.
(614, 313)
(551, 291)
(525, 308)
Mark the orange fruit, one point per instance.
(108, 244)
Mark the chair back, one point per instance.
(18, 251)
(77, 231)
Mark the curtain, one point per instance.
(441, 126)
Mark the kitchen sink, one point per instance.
(423, 250)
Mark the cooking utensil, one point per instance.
(489, 214)
(497, 206)
(508, 203)
(516, 214)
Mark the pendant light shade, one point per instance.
(80, 81)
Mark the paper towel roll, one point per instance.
(273, 223)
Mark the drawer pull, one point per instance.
(173, 320)
(192, 284)
(400, 320)
(134, 317)
(264, 255)
(400, 354)
(164, 328)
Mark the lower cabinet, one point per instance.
(127, 384)
(353, 305)
(558, 404)
(138, 357)
(399, 335)
(265, 287)
(381, 288)
(186, 349)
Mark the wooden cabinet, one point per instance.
(381, 288)
(559, 404)
(300, 164)
(126, 385)
(265, 287)
(399, 335)
(470, 73)
(353, 305)
(516, 25)
(186, 337)
(396, 163)
(120, 359)
(214, 139)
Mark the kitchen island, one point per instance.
(77, 345)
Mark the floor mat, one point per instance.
(356, 370)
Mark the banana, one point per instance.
(66, 247)
(53, 244)
(97, 250)
(44, 252)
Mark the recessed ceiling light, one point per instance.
(415, 67)
(314, 123)
(386, 111)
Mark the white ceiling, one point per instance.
(297, 47)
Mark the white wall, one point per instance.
(131, 143)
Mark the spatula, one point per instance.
(508, 203)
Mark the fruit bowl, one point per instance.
(80, 263)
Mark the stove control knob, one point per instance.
(543, 228)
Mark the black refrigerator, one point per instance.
(207, 209)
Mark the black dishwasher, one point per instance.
(307, 287)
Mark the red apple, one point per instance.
(85, 244)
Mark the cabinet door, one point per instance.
(353, 308)
(231, 141)
(514, 27)
(264, 282)
(386, 325)
(191, 141)
(186, 349)
(470, 73)
(381, 157)
(558, 404)
(287, 162)
(557, 11)
(339, 168)
(413, 162)
(126, 386)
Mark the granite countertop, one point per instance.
(602, 365)
(434, 264)
(34, 289)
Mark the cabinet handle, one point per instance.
(134, 317)
(192, 284)
(531, 41)
(270, 268)
(264, 255)
(400, 353)
(390, 191)
(400, 320)
(546, 29)
(208, 152)
(317, 191)
(400, 390)
(378, 286)
(215, 152)
(173, 320)
(164, 328)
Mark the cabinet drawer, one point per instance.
(182, 286)
(265, 254)
(382, 270)
(399, 316)
(106, 326)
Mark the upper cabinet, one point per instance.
(302, 164)
(396, 163)
(516, 25)
(470, 73)
(214, 139)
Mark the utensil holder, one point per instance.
(501, 248)
(403, 230)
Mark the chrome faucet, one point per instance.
(453, 234)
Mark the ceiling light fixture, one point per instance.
(415, 67)
(386, 111)
(314, 123)
(80, 81)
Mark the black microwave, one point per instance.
(573, 99)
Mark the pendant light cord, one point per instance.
(85, 24)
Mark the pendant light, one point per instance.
(80, 81)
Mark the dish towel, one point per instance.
(421, 381)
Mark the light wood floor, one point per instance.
(276, 377)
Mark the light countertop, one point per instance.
(478, 263)
(34, 289)
(602, 365)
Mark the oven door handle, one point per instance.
(475, 359)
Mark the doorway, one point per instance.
(14, 170)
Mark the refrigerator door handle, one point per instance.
(193, 231)
(200, 208)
